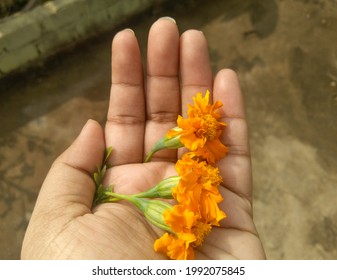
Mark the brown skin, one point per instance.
(64, 225)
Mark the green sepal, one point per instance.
(152, 209)
(165, 143)
(162, 190)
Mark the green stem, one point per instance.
(165, 143)
(149, 156)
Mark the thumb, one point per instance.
(69, 187)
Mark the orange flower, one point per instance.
(200, 132)
(199, 189)
(175, 248)
(189, 233)
(209, 208)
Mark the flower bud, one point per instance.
(166, 142)
(162, 190)
(152, 209)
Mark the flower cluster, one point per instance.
(191, 219)
(196, 188)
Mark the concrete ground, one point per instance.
(285, 54)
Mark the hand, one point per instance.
(64, 225)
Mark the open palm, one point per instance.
(141, 111)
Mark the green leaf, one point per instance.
(100, 194)
(107, 154)
(96, 179)
(102, 172)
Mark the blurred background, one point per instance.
(285, 53)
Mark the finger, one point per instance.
(163, 99)
(196, 73)
(69, 181)
(236, 165)
(124, 130)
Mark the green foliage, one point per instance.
(100, 194)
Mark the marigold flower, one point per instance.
(175, 248)
(200, 132)
(203, 171)
(199, 188)
(189, 232)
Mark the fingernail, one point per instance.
(129, 30)
(169, 18)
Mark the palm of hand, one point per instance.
(119, 230)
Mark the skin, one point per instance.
(141, 110)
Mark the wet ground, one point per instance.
(286, 57)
